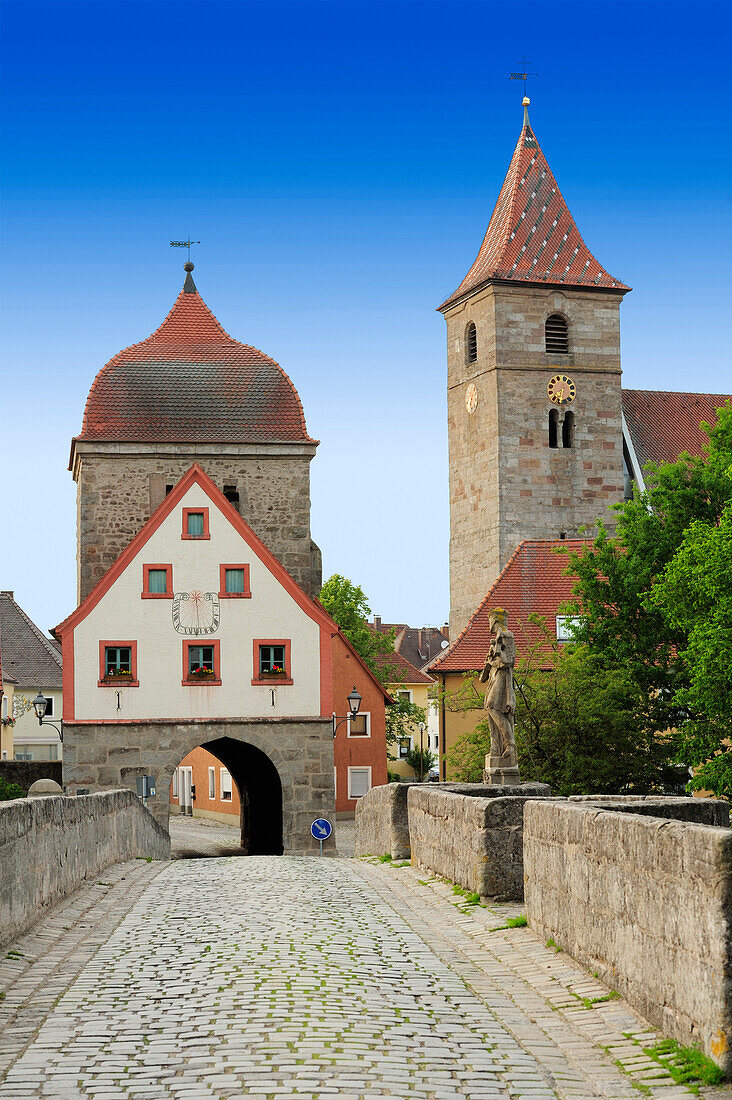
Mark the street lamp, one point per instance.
(40, 705)
(421, 752)
(354, 703)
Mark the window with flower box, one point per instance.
(201, 663)
(118, 664)
(272, 661)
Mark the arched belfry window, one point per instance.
(568, 430)
(556, 335)
(553, 427)
(471, 344)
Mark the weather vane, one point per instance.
(523, 75)
(184, 244)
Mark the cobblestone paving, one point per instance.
(301, 977)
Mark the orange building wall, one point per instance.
(201, 760)
(357, 751)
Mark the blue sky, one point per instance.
(339, 163)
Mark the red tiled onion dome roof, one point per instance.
(531, 236)
(191, 382)
(533, 581)
(663, 424)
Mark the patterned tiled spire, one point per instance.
(532, 237)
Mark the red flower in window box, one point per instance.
(118, 674)
(203, 673)
(274, 672)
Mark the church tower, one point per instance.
(533, 383)
(192, 394)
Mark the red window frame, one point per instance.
(184, 533)
(213, 642)
(146, 593)
(272, 681)
(116, 682)
(223, 594)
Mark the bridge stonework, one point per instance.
(98, 756)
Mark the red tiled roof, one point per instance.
(532, 236)
(190, 381)
(410, 674)
(663, 424)
(419, 645)
(532, 581)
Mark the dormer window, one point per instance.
(471, 344)
(556, 335)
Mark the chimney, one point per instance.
(377, 622)
(446, 631)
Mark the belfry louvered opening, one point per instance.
(556, 335)
(471, 343)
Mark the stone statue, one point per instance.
(501, 766)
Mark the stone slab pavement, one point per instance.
(301, 977)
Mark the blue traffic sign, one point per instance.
(321, 828)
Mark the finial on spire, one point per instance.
(524, 75)
(188, 266)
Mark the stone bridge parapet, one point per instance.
(51, 843)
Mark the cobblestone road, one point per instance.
(301, 977)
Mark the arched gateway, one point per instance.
(283, 769)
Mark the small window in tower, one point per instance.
(168, 489)
(568, 430)
(471, 344)
(556, 335)
(553, 427)
(232, 495)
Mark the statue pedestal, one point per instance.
(499, 772)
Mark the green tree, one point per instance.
(694, 594)
(348, 604)
(420, 761)
(576, 725)
(402, 718)
(10, 790)
(626, 625)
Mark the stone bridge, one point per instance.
(305, 977)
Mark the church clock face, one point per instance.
(471, 398)
(196, 612)
(561, 390)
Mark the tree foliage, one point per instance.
(694, 594)
(348, 604)
(654, 600)
(420, 761)
(576, 725)
(9, 791)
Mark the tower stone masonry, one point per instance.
(522, 466)
(191, 394)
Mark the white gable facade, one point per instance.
(196, 612)
(198, 636)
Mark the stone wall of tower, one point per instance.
(120, 485)
(506, 483)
